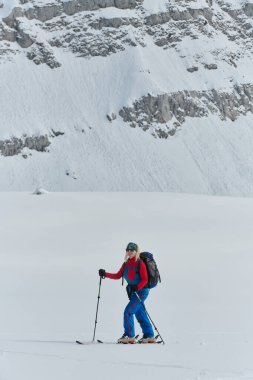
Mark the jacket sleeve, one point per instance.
(143, 276)
(116, 276)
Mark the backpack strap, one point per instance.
(138, 265)
(138, 269)
(123, 274)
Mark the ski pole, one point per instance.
(97, 309)
(149, 317)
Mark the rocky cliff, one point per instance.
(166, 62)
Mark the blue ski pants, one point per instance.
(134, 307)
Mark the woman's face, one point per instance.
(131, 253)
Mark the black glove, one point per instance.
(101, 273)
(131, 289)
(134, 288)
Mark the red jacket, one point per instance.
(131, 273)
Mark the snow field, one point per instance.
(51, 248)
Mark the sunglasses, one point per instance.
(131, 250)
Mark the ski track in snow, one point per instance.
(206, 372)
(127, 363)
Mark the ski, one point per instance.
(100, 342)
(83, 343)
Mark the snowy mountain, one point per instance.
(127, 95)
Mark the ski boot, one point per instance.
(147, 339)
(127, 340)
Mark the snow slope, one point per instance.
(51, 248)
(63, 75)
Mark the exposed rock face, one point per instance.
(179, 15)
(43, 53)
(88, 29)
(159, 113)
(15, 145)
(111, 117)
(54, 16)
(192, 69)
(51, 10)
(7, 34)
(11, 19)
(22, 37)
(248, 9)
(88, 34)
(211, 66)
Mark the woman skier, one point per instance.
(134, 271)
